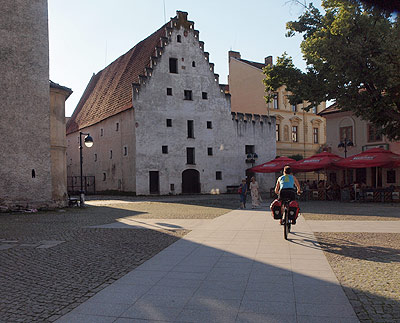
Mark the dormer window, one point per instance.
(179, 38)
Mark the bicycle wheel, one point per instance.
(286, 225)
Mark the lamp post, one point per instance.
(251, 158)
(344, 144)
(88, 143)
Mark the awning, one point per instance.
(319, 161)
(375, 157)
(273, 166)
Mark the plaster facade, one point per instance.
(247, 90)
(25, 159)
(199, 120)
(58, 145)
(358, 133)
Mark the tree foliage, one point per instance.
(352, 52)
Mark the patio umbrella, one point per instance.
(375, 157)
(319, 161)
(273, 166)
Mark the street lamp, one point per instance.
(251, 158)
(88, 143)
(344, 144)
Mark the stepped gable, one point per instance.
(110, 91)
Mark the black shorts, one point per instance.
(287, 194)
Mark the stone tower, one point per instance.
(25, 161)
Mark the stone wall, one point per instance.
(226, 138)
(25, 170)
(114, 172)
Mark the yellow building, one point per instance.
(297, 132)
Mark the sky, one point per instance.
(87, 35)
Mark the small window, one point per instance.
(187, 95)
(101, 132)
(277, 131)
(391, 176)
(117, 126)
(172, 187)
(249, 149)
(209, 125)
(173, 65)
(169, 122)
(276, 103)
(125, 151)
(218, 175)
(104, 177)
(346, 133)
(190, 156)
(95, 157)
(164, 149)
(190, 129)
(373, 133)
(193, 64)
(33, 173)
(294, 134)
(316, 135)
(210, 151)
(110, 154)
(294, 108)
(169, 91)
(179, 38)
(204, 95)
(314, 109)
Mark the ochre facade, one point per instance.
(248, 95)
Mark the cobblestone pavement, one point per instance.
(335, 210)
(367, 266)
(50, 262)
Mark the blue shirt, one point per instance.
(286, 181)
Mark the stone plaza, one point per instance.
(200, 259)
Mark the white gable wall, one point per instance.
(227, 137)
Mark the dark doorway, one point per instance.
(190, 181)
(376, 174)
(361, 175)
(154, 182)
(249, 175)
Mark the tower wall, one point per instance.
(25, 170)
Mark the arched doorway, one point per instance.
(190, 181)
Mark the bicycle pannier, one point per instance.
(293, 210)
(276, 206)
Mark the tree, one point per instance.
(352, 53)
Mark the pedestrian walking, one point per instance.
(255, 194)
(243, 194)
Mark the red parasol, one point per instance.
(275, 165)
(319, 161)
(375, 157)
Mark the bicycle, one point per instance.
(289, 216)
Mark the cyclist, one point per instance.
(285, 186)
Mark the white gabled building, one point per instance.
(162, 123)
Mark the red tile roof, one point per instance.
(331, 109)
(110, 91)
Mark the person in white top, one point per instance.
(255, 194)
